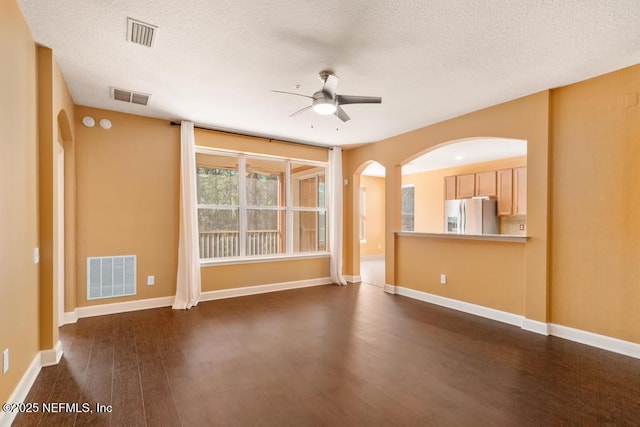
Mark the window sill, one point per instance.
(268, 258)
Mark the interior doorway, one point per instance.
(371, 224)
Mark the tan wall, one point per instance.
(429, 190)
(525, 118)
(596, 205)
(215, 278)
(374, 212)
(251, 145)
(127, 203)
(490, 274)
(18, 186)
(127, 198)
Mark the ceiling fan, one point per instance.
(326, 101)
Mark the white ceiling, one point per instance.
(215, 62)
(459, 153)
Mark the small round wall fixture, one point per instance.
(105, 124)
(88, 121)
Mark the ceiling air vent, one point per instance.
(129, 96)
(140, 32)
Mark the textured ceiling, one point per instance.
(215, 62)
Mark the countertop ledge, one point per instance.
(489, 237)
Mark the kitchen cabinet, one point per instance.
(465, 186)
(486, 184)
(509, 186)
(505, 191)
(520, 191)
(449, 187)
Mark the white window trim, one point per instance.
(212, 262)
(242, 207)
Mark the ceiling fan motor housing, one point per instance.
(323, 103)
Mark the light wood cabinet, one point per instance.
(520, 191)
(450, 187)
(465, 186)
(509, 186)
(505, 191)
(486, 184)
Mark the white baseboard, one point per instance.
(261, 289)
(603, 342)
(144, 304)
(595, 340)
(478, 310)
(42, 358)
(352, 279)
(118, 307)
(21, 390)
(69, 317)
(391, 289)
(51, 357)
(536, 326)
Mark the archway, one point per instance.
(369, 222)
(481, 165)
(63, 216)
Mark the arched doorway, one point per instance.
(62, 215)
(371, 223)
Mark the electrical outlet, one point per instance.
(36, 255)
(151, 280)
(443, 279)
(521, 227)
(5, 361)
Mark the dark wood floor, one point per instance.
(329, 356)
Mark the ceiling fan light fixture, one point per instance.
(325, 108)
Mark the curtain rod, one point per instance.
(254, 136)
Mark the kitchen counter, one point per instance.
(489, 237)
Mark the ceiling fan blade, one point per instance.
(292, 93)
(300, 111)
(353, 99)
(342, 115)
(330, 85)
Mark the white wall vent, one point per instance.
(141, 33)
(111, 276)
(130, 96)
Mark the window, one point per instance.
(309, 208)
(265, 182)
(218, 206)
(408, 207)
(361, 207)
(250, 206)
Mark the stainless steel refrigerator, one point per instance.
(471, 216)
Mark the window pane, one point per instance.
(309, 230)
(265, 182)
(308, 186)
(408, 194)
(264, 232)
(218, 233)
(217, 180)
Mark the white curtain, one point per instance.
(188, 288)
(335, 215)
